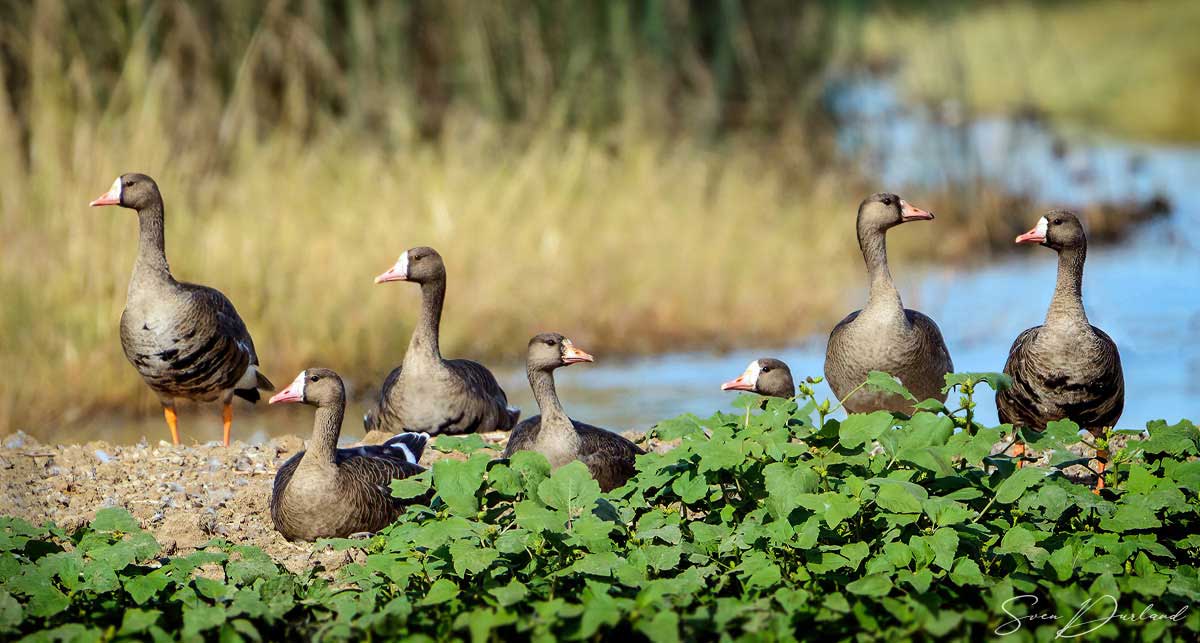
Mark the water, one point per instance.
(1144, 292)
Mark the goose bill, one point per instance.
(112, 197)
(910, 212)
(1036, 235)
(744, 382)
(572, 355)
(293, 393)
(398, 272)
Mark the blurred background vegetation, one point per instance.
(643, 175)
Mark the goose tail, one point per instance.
(412, 445)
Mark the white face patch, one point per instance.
(1042, 224)
(114, 192)
(297, 385)
(401, 267)
(750, 377)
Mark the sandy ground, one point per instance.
(184, 495)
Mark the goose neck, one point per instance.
(424, 343)
(883, 295)
(1066, 306)
(327, 427)
(151, 264)
(554, 418)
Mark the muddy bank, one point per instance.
(188, 495)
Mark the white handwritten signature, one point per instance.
(1076, 626)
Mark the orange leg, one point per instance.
(1019, 454)
(172, 423)
(227, 419)
(1101, 465)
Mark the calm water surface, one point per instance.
(1144, 292)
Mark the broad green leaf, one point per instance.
(413, 486)
(898, 496)
(10, 612)
(599, 610)
(470, 557)
(115, 519)
(944, 542)
(457, 481)
(873, 585)
(202, 618)
(135, 621)
(662, 627)
(511, 594)
(441, 591)
(966, 572)
(833, 507)
(888, 384)
(1016, 484)
(571, 489)
(857, 429)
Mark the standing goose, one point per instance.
(1066, 368)
(327, 492)
(186, 340)
(885, 336)
(765, 376)
(429, 393)
(608, 456)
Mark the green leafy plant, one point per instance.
(772, 523)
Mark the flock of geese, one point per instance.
(187, 341)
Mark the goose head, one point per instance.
(884, 210)
(1058, 229)
(134, 191)
(313, 386)
(549, 351)
(419, 265)
(765, 376)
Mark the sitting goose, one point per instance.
(885, 336)
(429, 393)
(1065, 368)
(765, 376)
(185, 340)
(608, 456)
(327, 492)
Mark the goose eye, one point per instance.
(1057, 221)
(129, 184)
(550, 342)
(313, 378)
(887, 200)
(766, 369)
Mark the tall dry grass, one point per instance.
(1131, 68)
(654, 203)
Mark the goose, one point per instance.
(1066, 368)
(327, 492)
(185, 340)
(885, 336)
(608, 456)
(765, 376)
(429, 393)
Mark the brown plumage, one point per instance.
(429, 393)
(327, 492)
(765, 376)
(609, 457)
(185, 340)
(1065, 368)
(885, 336)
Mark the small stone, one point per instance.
(103, 457)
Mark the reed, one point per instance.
(1127, 68)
